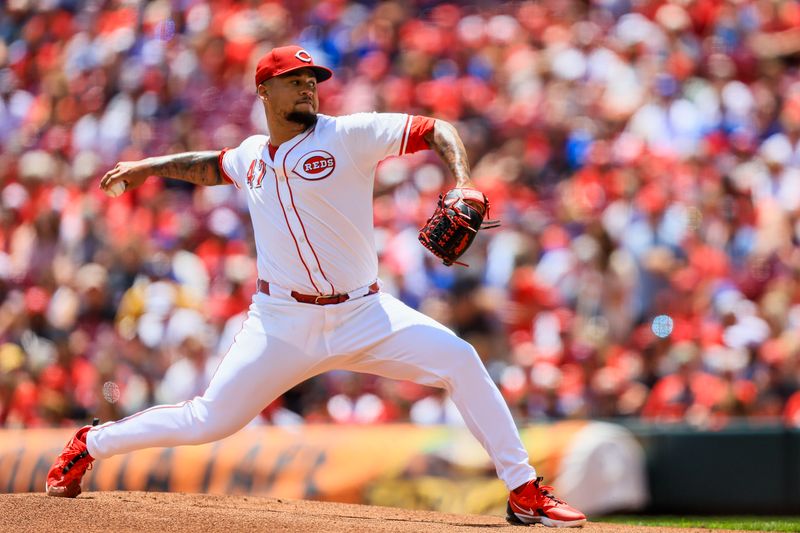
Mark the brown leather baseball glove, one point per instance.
(453, 226)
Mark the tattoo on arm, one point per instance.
(200, 168)
(445, 141)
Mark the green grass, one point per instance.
(749, 523)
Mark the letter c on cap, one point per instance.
(303, 56)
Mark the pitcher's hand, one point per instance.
(131, 173)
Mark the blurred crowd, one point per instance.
(643, 156)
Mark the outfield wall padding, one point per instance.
(734, 470)
(437, 468)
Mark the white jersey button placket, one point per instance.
(295, 224)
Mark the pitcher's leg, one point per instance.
(256, 369)
(417, 348)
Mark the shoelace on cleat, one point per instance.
(74, 461)
(547, 491)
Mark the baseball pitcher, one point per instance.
(318, 305)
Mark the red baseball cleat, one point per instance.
(533, 503)
(64, 477)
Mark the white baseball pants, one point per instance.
(283, 342)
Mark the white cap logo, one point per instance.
(303, 56)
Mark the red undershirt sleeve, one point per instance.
(223, 173)
(420, 127)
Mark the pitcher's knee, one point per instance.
(210, 421)
(464, 362)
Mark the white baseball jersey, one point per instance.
(311, 207)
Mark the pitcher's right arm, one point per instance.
(200, 168)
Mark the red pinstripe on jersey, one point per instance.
(291, 232)
(297, 214)
(406, 130)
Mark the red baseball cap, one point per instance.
(285, 59)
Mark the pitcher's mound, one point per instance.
(193, 513)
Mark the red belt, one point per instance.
(263, 286)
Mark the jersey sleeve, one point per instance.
(234, 162)
(420, 127)
(371, 137)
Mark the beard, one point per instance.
(305, 119)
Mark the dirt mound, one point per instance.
(193, 513)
